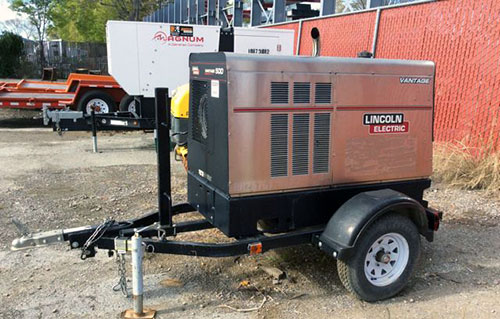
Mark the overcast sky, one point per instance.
(5, 12)
(20, 25)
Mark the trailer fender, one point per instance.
(355, 215)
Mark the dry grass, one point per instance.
(461, 166)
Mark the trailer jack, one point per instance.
(138, 310)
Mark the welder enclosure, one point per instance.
(282, 142)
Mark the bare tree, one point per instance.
(131, 10)
(20, 27)
(38, 13)
(350, 5)
(355, 5)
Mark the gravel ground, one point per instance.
(49, 182)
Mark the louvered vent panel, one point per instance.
(279, 92)
(279, 145)
(321, 142)
(199, 111)
(301, 92)
(323, 93)
(300, 153)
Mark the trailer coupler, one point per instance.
(44, 238)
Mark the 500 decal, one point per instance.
(386, 123)
(216, 71)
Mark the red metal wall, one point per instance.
(461, 36)
(341, 36)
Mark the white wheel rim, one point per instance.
(99, 104)
(131, 107)
(386, 259)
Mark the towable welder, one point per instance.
(334, 152)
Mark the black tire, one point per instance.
(125, 102)
(96, 94)
(352, 271)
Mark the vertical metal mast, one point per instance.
(162, 106)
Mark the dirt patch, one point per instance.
(48, 182)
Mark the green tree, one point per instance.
(80, 20)
(11, 49)
(38, 13)
(85, 20)
(132, 10)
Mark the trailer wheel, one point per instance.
(128, 104)
(385, 256)
(102, 101)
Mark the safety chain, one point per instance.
(96, 235)
(122, 273)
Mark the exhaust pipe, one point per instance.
(315, 38)
(365, 54)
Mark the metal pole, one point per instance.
(299, 36)
(137, 284)
(221, 17)
(171, 13)
(328, 7)
(162, 105)
(94, 130)
(184, 11)
(255, 13)
(375, 33)
(177, 11)
(200, 10)
(192, 12)
(238, 13)
(374, 3)
(279, 11)
(211, 12)
(165, 14)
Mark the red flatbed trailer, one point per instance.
(75, 93)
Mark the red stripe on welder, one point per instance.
(340, 108)
(280, 109)
(368, 108)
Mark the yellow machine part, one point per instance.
(181, 152)
(180, 102)
(180, 113)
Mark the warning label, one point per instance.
(386, 123)
(181, 31)
(214, 88)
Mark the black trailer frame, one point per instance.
(66, 120)
(155, 227)
(121, 121)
